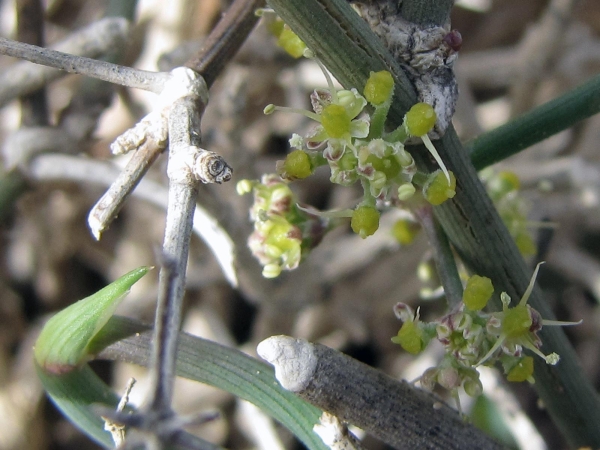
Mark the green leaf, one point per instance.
(76, 392)
(73, 393)
(486, 416)
(197, 359)
(64, 340)
(222, 367)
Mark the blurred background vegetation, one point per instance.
(514, 57)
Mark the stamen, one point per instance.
(330, 85)
(505, 299)
(270, 109)
(559, 323)
(495, 347)
(436, 155)
(531, 284)
(333, 214)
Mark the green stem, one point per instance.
(317, 159)
(420, 178)
(378, 119)
(400, 134)
(484, 244)
(536, 125)
(443, 255)
(349, 50)
(346, 46)
(427, 12)
(368, 199)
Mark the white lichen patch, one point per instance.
(294, 360)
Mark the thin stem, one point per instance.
(12, 185)
(83, 41)
(223, 367)
(484, 244)
(184, 121)
(427, 12)
(378, 121)
(443, 255)
(30, 29)
(109, 205)
(83, 111)
(400, 134)
(221, 45)
(162, 370)
(225, 39)
(536, 125)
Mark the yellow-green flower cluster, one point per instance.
(503, 188)
(356, 147)
(472, 337)
(282, 231)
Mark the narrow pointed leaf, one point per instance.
(219, 366)
(64, 340)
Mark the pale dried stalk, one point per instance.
(102, 36)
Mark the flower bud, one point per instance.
(291, 43)
(522, 371)
(474, 333)
(405, 158)
(428, 379)
(420, 119)
(525, 243)
(443, 331)
(503, 183)
(244, 186)
(477, 292)
(404, 231)
(493, 326)
(379, 87)
(296, 166)
(437, 189)
(404, 312)
(448, 378)
(352, 102)
(462, 321)
(271, 270)
(473, 387)
(409, 337)
(406, 191)
(365, 221)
